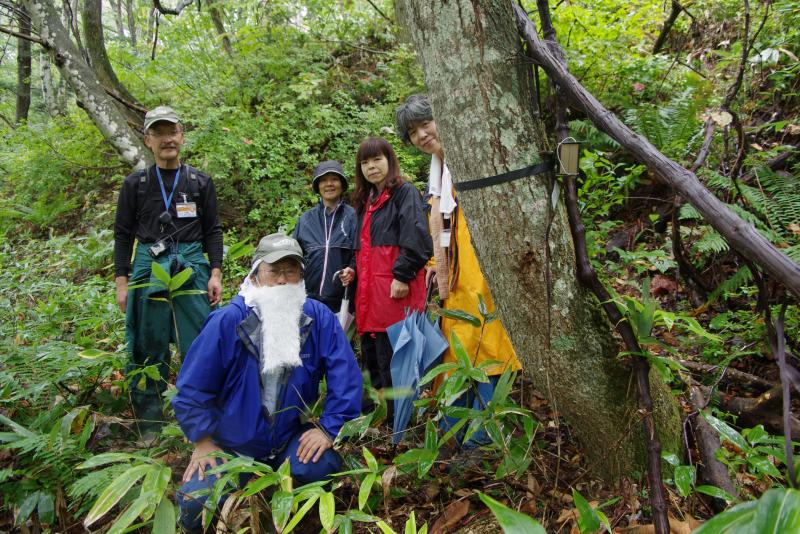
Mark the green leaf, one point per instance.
(436, 371)
(732, 520)
(414, 456)
(587, 518)
(460, 352)
(106, 458)
(716, 492)
(684, 479)
(482, 307)
(114, 492)
(778, 511)
(164, 520)
(327, 510)
(460, 315)
(68, 419)
(366, 489)
(726, 431)
(93, 354)
(671, 458)
(511, 521)
(130, 514)
(27, 507)
(372, 463)
(300, 514)
(45, 508)
(176, 294)
(281, 506)
(155, 483)
(762, 464)
(386, 529)
(160, 273)
(16, 427)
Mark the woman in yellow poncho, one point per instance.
(459, 277)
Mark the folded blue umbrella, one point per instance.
(417, 345)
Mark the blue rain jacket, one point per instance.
(219, 385)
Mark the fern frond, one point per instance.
(738, 279)
(710, 241)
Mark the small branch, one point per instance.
(18, 35)
(155, 39)
(668, 24)
(735, 374)
(172, 11)
(381, 13)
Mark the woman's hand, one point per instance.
(201, 459)
(399, 289)
(430, 274)
(347, 275)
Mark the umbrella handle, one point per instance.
(428, 292)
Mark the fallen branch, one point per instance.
(710, 470)
(739, 233)
(741, 376)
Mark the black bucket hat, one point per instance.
(328, 166)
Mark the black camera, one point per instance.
(158, 248)
(165, 218)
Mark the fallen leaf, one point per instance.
(386, 480)
(722, 118)
(794, 228)
(450, 517)
(662, 285)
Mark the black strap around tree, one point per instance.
(545, 165)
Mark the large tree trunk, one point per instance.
(92, 15)
(98, 105)
(23, 68)
(481, 93)
(131, 21)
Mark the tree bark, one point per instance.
(131, 21)
(740, 234)
(117, 4)
(53, 92)
(215, 10)
(98, 105)
(23, 67)
(92, 15)
(481, 93)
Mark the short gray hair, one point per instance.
(415, 109)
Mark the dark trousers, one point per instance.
(377, 352)
(192, 495)
(149, 327)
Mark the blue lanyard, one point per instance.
(168, 200)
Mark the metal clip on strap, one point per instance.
(545, 165)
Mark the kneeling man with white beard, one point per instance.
(254, 368)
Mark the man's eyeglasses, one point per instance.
(165, 135)
(289, 273)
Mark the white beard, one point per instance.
(279, 308)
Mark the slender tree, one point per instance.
(23, 67)
(481, 93)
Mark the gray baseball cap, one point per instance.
(275, 247)
(328, 166)
(158, 114)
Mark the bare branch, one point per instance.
(381, 13)
(172, 11)
(31, 38)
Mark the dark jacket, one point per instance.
(219, 385)
(323, 257)
(394, 243)
(140, 203)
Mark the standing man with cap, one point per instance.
(327, 234)
(254, 371)
(170, 211)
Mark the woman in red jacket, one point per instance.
(393, 247)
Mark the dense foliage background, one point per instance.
(306, 81)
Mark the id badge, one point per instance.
(186, 210)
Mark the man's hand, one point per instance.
(313, 443)
(201, 460)
(215, 286)
(399, 289)
(347, 275)
(122, 292)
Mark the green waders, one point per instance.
(149, 326)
